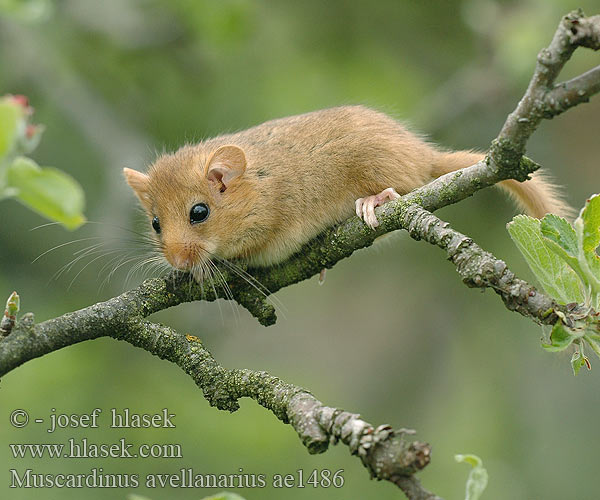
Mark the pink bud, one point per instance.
(21, 100)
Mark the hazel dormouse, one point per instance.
(258, 195)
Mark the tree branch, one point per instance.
(383, 451)
(567, 94)
(573, 31)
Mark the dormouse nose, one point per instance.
(180, 256)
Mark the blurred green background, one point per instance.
(392, 334)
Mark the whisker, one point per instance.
(103, 241)
(212, 284)
(257, 285)
(119, 250)
(192, 278)
(120, 260)
(111, 261)
(197, 274)
(44, 225)
(245, 275)
(69, 265)
(92, 250)
(145, 237)
(226, 290)
(88, 264)
(125, 259)
(157, 267)
(64, 245)
(150, 261)
(138, 266)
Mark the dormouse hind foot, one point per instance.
(365, 207)
(322, 276)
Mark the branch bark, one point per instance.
(383, 451)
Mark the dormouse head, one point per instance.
(194, 199)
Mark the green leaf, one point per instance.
(587, 228)
(578, 360)
(561, 238)
(478, 477)
(224, 495)
(553, 273)
(591, 224)
(11, 119)
(559, 231)
(48, 191)
(560, 338)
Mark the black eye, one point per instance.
(199, 213)
(156, 224)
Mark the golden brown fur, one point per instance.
(302, 174)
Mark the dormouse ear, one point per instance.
(224, 165)
(139, 183)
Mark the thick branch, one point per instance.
(479, 268)
(384, 452)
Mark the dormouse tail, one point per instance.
(537, 196)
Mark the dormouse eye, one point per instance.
(156, 224)
(199, 213)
